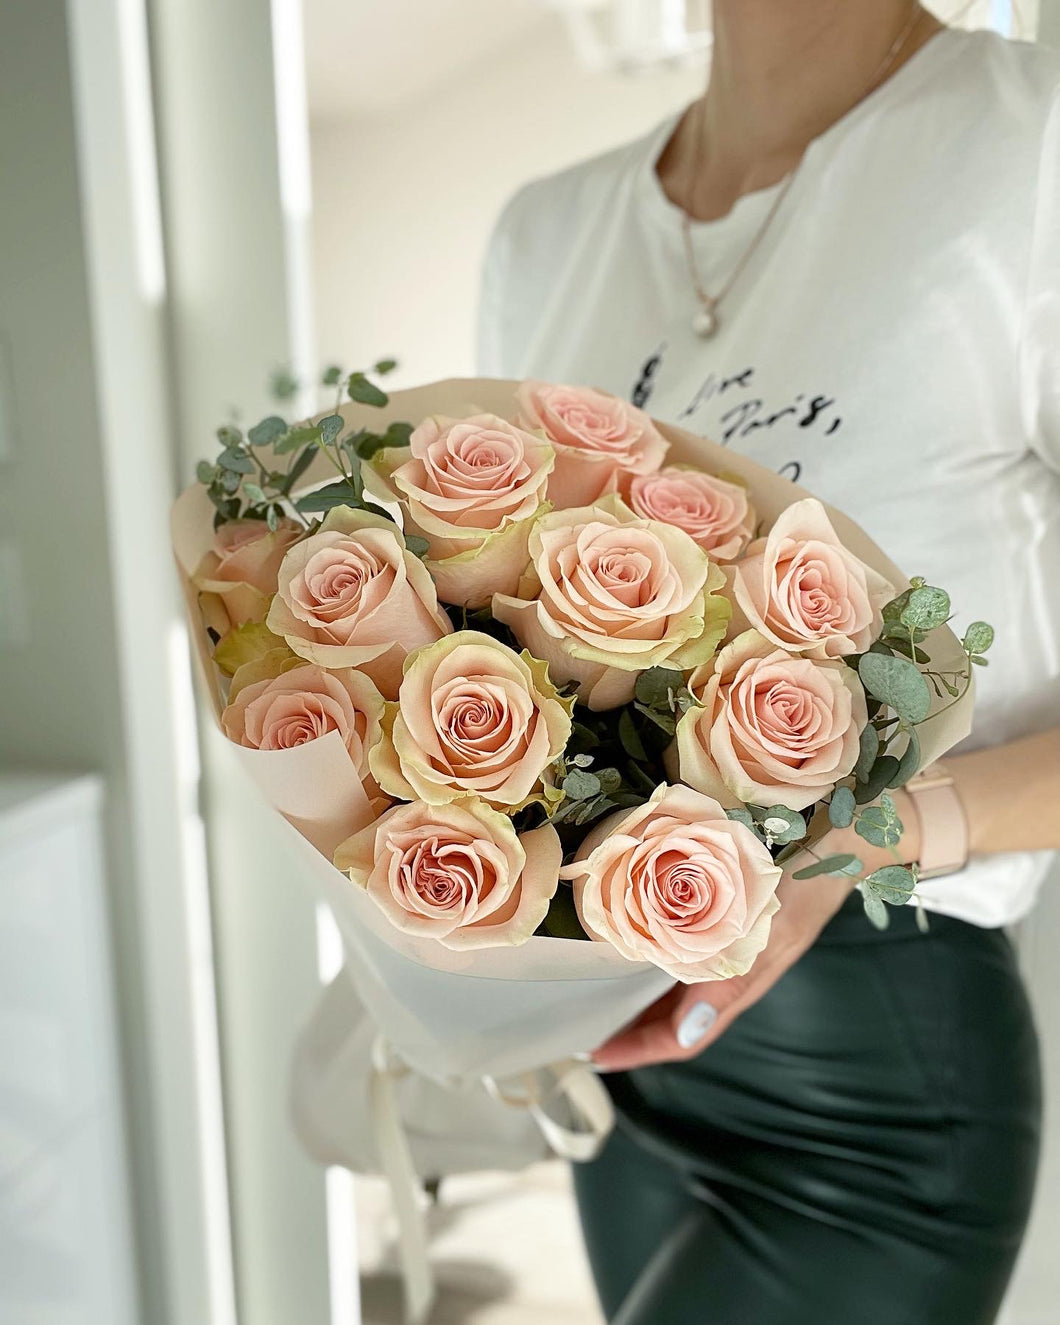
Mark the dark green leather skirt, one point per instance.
(859, 1148)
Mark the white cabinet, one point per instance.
(66, 1254)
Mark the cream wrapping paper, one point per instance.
(504, 1011)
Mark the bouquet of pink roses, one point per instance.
(545, 689)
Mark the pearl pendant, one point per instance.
(705, 323)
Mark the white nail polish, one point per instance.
(695, 1023)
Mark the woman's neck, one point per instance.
(782, 72)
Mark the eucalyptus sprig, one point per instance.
(254, 476)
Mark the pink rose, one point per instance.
(802, 589)
(609, 594)
(457, 873)
(471, 487)
(772, 729)
(473, 717)
(351, 595)
(600, 440)
(301, 703)
(676, 883)
(239, 573)
(712, 511)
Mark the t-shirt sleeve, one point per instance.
(1040, 347)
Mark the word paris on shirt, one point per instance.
(737, 407)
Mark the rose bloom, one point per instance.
(351, 595)
(609, 594)
(473, 717)
(773, 729)
(239, 572)
(712, 511)
(802, 589)
(457, 873)
(471, 487)
(302, 703)
(600, 440)
(676, 883)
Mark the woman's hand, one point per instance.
(689, 1017)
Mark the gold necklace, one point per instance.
(705, 321)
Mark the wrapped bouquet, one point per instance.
(545, 690)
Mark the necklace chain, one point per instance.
(705, 322)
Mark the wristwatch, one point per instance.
(943, 826)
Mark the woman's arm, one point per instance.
(1011, 799)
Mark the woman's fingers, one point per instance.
(681, 1023)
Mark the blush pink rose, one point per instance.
(600, 440)
(471, 487)
(302, 703)
(802, 589)
(609, 594)
(457, 873)
(473, 718)
(239, 572)
(352, 595)
(676, 883)
(712, 511)
(773, 729)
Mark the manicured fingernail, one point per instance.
(695, 1023)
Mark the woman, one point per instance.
(843, 260)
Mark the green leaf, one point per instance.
(610, 780)
(875, 910)
(340, 493)
(893, 610)
(843, 864)
(979, 662)
(254, 494)
(880, 775)
(908, 763)
(897, 683)
(742, 816)
(229, 435)
(398, 434)
(330, 426)
(283, 384)
(204, 471)
(780, 823)
(230, 481)
(580, 785)
(238, 461)
(291, 441)
(978, 637)
(630, 738)
(655, 686)
(926, 609)
(841, 808)
(562, 921)
(331, 376)
(893, 883)
(419, 547)
(384, 366)
(272, 516)
(298, 469)
(266, 432)
(364, 392)
(870, 748)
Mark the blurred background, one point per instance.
(196, 195)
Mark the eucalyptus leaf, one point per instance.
(204, 471)
(978, 637)
(330, 426)
(926, 609)
(893, 883)
(898, 684)
(384, 366)
(297, 437)
(908, 763)
(298, 469)
(340, 493)
(417, 545)
(875, 910)
(364, 392)
(841, 808)
(880, 775)
(331, 375)
(268, 431)
(845, 864)
(237, 461)
(870, 748)
(580, 785)
(283, 384)
(742, 816)
(254, 493)
(655, 686)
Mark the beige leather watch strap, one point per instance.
(943, 826)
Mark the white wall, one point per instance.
(403, 207)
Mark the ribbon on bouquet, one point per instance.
(567, 1101)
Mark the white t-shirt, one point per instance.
(893, 344)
